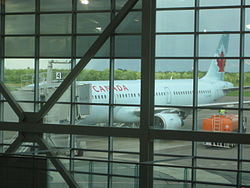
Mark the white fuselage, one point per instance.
(127, 92)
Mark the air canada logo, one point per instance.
(221, 62)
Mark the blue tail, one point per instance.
(216, 69)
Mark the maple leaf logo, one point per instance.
(221, 62)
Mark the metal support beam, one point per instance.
(71, 129)
(56, 162)
(147, 92)
(87, 57)
(11, 100)
(37, 138)
(15, 145)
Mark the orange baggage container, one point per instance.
(221, 123)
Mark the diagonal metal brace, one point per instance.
(87, 57)
(11, 100)
(56, 162)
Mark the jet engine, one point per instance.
(167, 121)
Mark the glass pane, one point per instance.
(51, 74)
(245, 178)
(55, 46)
(173, 152)
(225, 73)
(245, 126)
(174, 45)
(19, 6)
(90, 166)
(220, 20)
(92, 115)
(175, 21)
(220, 120)
(173, 87)
(9, 115)
(246, 82)
(83, 44)
(93, 4)
(247, 19)
(131, 23)
(59, 113)
(125, 169)
(127, 92)
(208, 44)
(217, 150)
(91, 180)
(124, 182)
(176, 3)
(19, 46)
(246, 156)
(247, 45)
(19, 24)
(127, 81)
(18, 77)
(219, 3)
(128, 46)
(122, 144)
(92, 22)
(55, 24)
(7, 137)
(216, 176)
(92, 86)
(55, 5)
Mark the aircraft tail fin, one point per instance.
(216, 69)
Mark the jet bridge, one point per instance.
(84, 95)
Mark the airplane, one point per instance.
(173, 92)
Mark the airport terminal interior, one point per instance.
(124, 93)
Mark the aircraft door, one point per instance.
(84, 95)
(168, 95)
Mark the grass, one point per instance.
(236, 93)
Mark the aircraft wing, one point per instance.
(235, 88)
(222, 104)
(180, 111)
(184, 110)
